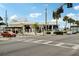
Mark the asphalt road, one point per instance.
(48, 45)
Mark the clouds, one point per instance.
(13, 17)
(76, 7)
(35, 15)
(73, 15)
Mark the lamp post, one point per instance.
(6, 18)
(46, 18)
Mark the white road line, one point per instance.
(38, 41)
(70, 43)
(19, 40)
(76, 47)
(47, 42)
(28, 40)
(59, 44)
(66, 47)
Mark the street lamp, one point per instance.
(46, 16)
(46, 5)
(6, 18)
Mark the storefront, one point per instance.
(75, 28)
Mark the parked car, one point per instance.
(69, 32)
(8, 34)
(74, 32)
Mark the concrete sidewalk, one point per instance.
(4, 38)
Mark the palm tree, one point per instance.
(66, 20)
(56, 16)
(73, 21)
(77, 22)
(1, 18)
(1, 21)
(35, 26)
(70, 20)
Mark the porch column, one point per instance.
(52, 27)
(23, 29)
(30, 30)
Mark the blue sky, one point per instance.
(35, 12)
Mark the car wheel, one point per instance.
(14, 36)
(3, 36)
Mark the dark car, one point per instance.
(8, 34)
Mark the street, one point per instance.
(48, 45)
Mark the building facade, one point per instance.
(26, 27)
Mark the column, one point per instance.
(23, 29)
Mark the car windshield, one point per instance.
(5, 32)
(10, 32)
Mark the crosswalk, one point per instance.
(50, 42)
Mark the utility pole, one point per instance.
(46, 18)
(6, 18)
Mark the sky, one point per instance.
(36, 11)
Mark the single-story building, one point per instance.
(23, 27)
(75, 28)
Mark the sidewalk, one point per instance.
(33, 35)
(4, 38)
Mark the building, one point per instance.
(24, 26)
(75, 28)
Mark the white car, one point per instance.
(69, 32)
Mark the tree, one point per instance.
(1, 22)
(35, 26)
(56, 16)
(73, 21)
(1, 19)
(60, 10)
(70, 20)
(77, 22)
(66, 20)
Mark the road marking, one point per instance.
(66, 47)
(19, 40)
(76, 47)
(47, 42)
(4, 38)
(59, 44)
(70, 43)
(38, 41)
(28, 40)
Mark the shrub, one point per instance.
(58, 33)
(48, 32)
